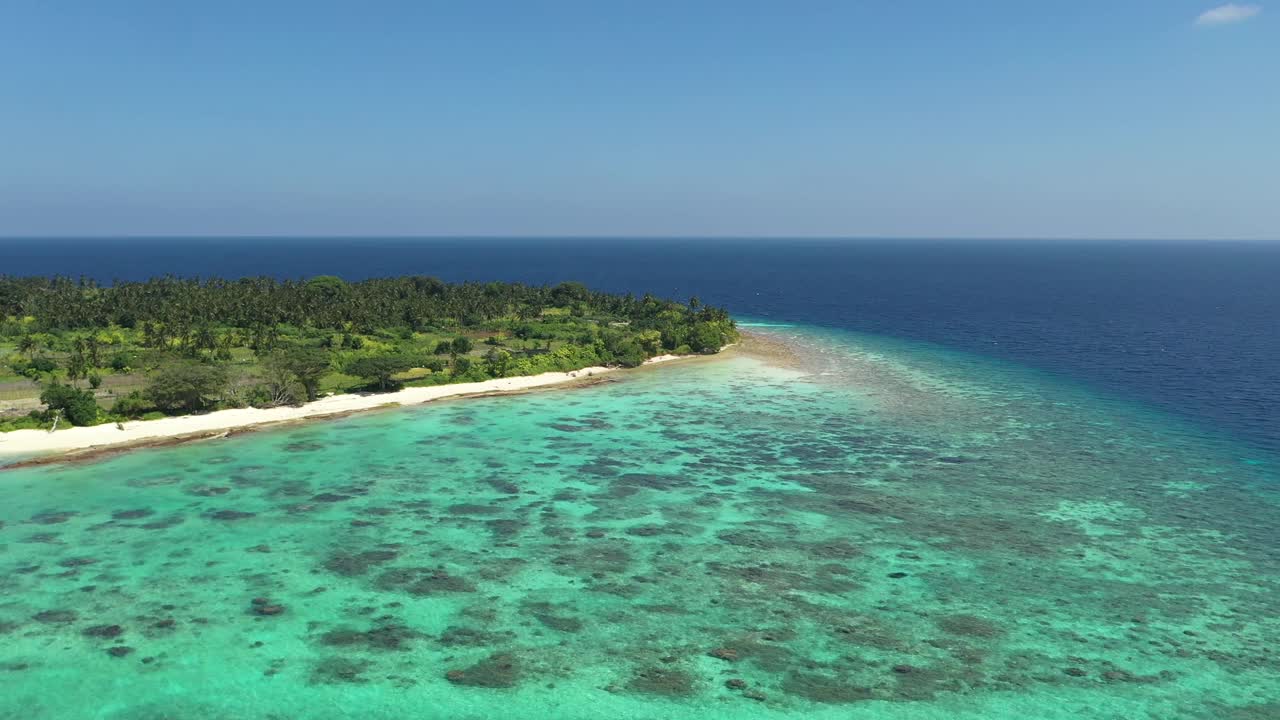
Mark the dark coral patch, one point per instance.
(647, 530)
(611, 557)
(557, 622)
(823, 689)
(503, 486)
(574, 425)
(759, 650)
(56, 617)
(459, 636)
(1119, 675)
(208, 491)
(150, 482)
(752, 539)
(969, 626)
(290, 488)
(231, 515)
(164, 523)
(132, 514)
(473, 509)
(102, 631)
(646, 481)
(397, 578)
(423, 581)
(834, 550)
(339, 671)
(918, 683)
(383, 637)
(52, 517)
(352, 565)
(265, 608)
(441, 582)
(504, 529)
(329, 497)
(500, 670)
(667, 682)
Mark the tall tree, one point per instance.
(306, 366)
(28, 344)
(187, 385)
(379, 369)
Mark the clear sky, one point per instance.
(1088, 118)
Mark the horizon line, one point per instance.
(582, 236)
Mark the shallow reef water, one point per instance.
(862, 529)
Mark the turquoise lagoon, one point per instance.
(868, 530)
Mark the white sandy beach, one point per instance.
(42, 442)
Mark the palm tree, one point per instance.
(92, 346)
(77, 367)
(28, 344)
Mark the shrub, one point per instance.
(132, 405)
(497, 362)
(31, 421)
(122, 361)
(629, 354)
(35, 367)
(24, 423)
(78, 406)
(473, 373)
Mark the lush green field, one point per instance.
(77, 353)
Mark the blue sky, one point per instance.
(1001, 118)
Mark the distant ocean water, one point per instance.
(1189, 328)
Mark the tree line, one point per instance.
(207, 343)
(179, 308)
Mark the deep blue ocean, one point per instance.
(1188, 328)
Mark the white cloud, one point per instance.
(1227, 14)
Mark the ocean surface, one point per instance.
(981, 480)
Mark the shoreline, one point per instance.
(39, 447)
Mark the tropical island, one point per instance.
(74, 353)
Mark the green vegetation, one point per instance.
(86, 354)
(187, 386)
(78, 406)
